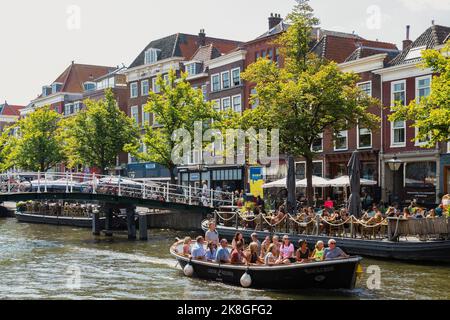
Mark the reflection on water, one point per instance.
(43, 262)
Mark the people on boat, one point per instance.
(198, 250)
(254, 238)
(406, 213)
(265, 246)
(237, 237)
(212, 234)
(303, 253)
(432, 214)
(318, 254)
(440, 210)
(287, 251)
(333, 252)
(237, 255)
(271, 257)
(211, 252)
(187, 246)
(223, 254)
(252, 254)
(276, 242)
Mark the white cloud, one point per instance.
(422, 5)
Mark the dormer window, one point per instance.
(56, 87)
(191, 68)
(90, 86)
(151, 55)
(415, 53)
(46, 91)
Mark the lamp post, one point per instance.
(394, 165)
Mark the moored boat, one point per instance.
(331, 274)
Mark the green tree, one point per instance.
(306, 96)
(7, 141)
(38, 145)
(431, 114)
(177, 106)
(96, 135)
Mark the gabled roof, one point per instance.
(279, 28)
(206, 53)
(431, 38)
(364, 52)
(76, 75)
(10, 110)
(339, 48)
(184, 46)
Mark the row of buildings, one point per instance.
(215, 65)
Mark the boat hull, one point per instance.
(417, 251)
(57, 220)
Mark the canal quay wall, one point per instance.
(7, 212)
(177, 220)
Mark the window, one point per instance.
(226, 104)
(237, 104)
(364, 138)
(300, 169)
(398, 92)
(135, 113)
(277, 56)
(156, 88)
(216, 105)
(56, 87)
(369, 171)
(255, 101)
(366, 87)
(166, 79)
(68, 109)
(423, 87)
(90, 86)
(46, 91)
(225, 80)
(145, 87)
(317, 145)
(215, 83)
(270, 54)
(205, 92)
(415, 53)
(151, 55)
(145, 116)
(76, 107)
(420, 174)
(341, 142)
(398, 132)
(236, 75)
(191, 69)
(257, 56)
(263, 54)
(422, 141)
(134, 90)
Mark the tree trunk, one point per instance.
(309, 189)
(173, 178)
(42, 167)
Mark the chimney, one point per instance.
(274, 20)
(407, 42)
(202, 37)
(432, 22)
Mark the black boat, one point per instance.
(78, 222)
(332, 274)
(412, 250)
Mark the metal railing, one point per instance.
(37, 182)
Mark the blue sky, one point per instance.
(39, 39)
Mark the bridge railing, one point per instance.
(37, 182)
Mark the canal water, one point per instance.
(47, 262)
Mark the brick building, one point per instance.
(9, 114)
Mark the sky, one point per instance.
(39, 39)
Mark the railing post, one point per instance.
(39, 182)
(67, 182)
(237, 220)
(317, 224)
(45, 182)
(144, 192)
(215, 217)
(168, 192)
(9, 183)
(190, 195)
(212, 198)
(94, 184)
(120, 189)
(232, 199)
(71, 183)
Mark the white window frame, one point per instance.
(153, 52)
(134, 110)
(67, 107)
(366, 82)
(134, 85)
(143, 116)
(216, 103)
(357, 139)
(204, 89)
(346, 141)
(222, 104)
(232, 103)
(212, 82)
(417, 84)
(166, 79)
(315, 161)
(191, 65)
(155, 87)
(142, 87)
(397, 145)
(416, 142)
(221, 80)
(393, 83)
(321, 148)
(87, 83)
(232, 79)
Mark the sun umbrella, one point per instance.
(354, 169)
(344, 181)
(318, 182)
(291, 186)
(282, 183)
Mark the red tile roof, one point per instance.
(10, 110)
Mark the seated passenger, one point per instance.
(318, 254)
(265, 246)
(333, 252)
(198, 251)
(431, 214)
(252, 254)
(287, 251)
(303, 253)
(238, 237)
(223, 255)
(276, 242)
(406, 213)
(237, 256)
(271, 257)
(187, 246)
(211, 252)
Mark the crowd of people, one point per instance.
(271, 251)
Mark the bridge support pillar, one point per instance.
(96, 228)
(109, 222)
(143, 229)
(131, 223)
